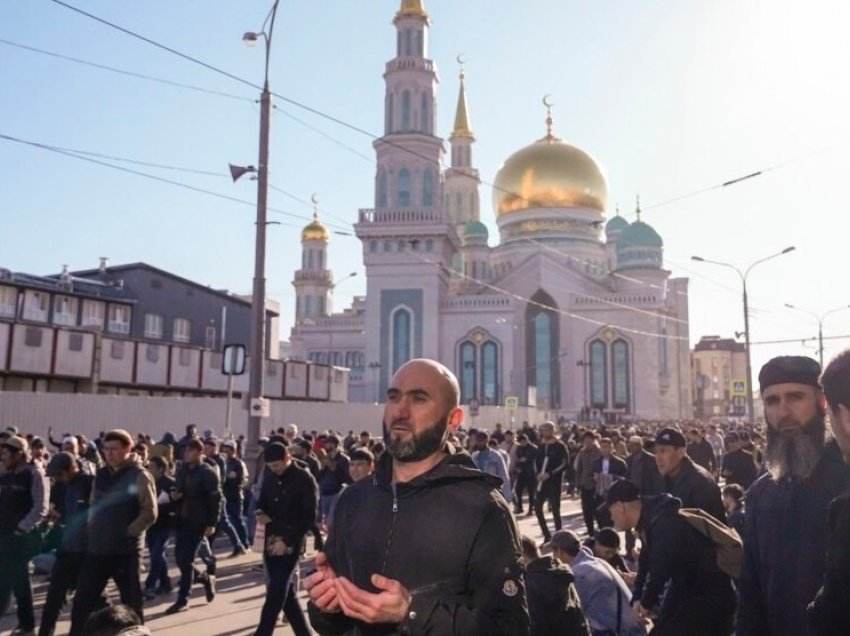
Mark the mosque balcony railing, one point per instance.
(407, 63)
(476, 302)
(403, 215)
(321, 275)
(617, 299)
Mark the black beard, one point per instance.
(420, 446)
(795, 455)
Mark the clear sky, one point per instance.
(671, 97)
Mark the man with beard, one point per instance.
(786, 524)
(427, 545)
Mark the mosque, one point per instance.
(568, 311)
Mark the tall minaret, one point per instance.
(408, 171)
(314, 281)
(461, 180)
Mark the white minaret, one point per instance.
(314, 281)
(461, 180)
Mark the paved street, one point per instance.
(241, 592)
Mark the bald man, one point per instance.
(428, 544)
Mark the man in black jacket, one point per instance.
(287, 507)
(428, 544)
(123, 506)
(786, 527)
(550, 462)
(700, 598)
(157, 581)
(692, 484)
(739, 467)
(701, 451)
(66, 469)
(198, 495)
(553, 604)
(526, 479)
(234, 481)
(24, 496)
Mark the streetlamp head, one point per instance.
(789, 249)
(250, 37)
(697, 258)
(352, 274)
(790, 306)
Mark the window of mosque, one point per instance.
(402, 322)
(468, 372)
(308, 305)
(405, 111)
(663, 368)
(401, 245)
(543, 358)
(620, 369)
(425, 114)
(373, 246)
(309, 259)
(382, 190)
(403, 198)
(320, 257)
(388, 246)
(427, 189)
(429, 245)
(598, 374)
(489, 373)
(420, 49)
(303, 260)
(322, 305)
(390, 113)
(408, 41)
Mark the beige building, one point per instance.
(719, 371)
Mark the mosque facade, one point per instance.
(568, 309)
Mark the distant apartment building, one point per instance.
(719, 376)
(138, 330)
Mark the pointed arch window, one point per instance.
(408, 41)
(427, 189)
(405, 111)
(620, 372)
(425, 113)
(402, 327)
(490, 373)
(382, 190)
(598, 374)
(403, 198)
(468, 372)
(309, 259)
(542, 348)
(390, 112)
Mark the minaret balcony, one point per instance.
(403, 215)
(320, 275)
(406, 63)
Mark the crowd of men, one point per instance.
(688, 529)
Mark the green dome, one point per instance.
(639, 234)
(616, 224)
(475, 228)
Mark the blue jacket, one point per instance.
(489, 461)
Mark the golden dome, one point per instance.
(411, 7)
(315, 231)
(549, 174)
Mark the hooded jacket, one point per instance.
(553, 603)
(447, 536)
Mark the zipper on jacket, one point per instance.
(390, 533)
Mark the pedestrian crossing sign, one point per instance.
(738, 387)
(511, 402)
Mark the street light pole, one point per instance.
(820, 318)
(258, 297)
(744, 275)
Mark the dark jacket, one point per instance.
(829, 613)
(167, 516)
(553, 604)
(235, 479)
(702, 453)
(525, 459)
(696, 488)
(24, 498)
(448, 536)
(739, 468)
(786, 534)
(123, 506)
(201, 503)
(75, 510)
(290, 500)
(643, 471)
(617, 466)
(335, 475)
(559, 459)
(675, 552)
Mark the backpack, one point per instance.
(727, 542)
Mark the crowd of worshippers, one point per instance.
(688, 528)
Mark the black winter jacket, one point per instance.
(290, 500)
(675, 551)
(447, 536)
(553, 603)
(75, 510)
(201, 503)
(829, 613)
(643, 471)
(696, 488)
(739, 467)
